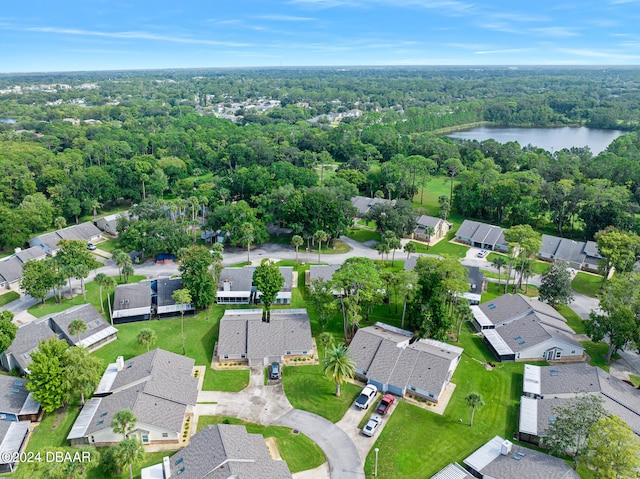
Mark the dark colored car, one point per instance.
(385, 403)
(274, 371)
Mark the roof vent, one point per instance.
(505, 447)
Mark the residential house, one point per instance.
(13, 439)
(98, 332)
(160, 389)
(16, 402)
(323, 272)
(440, 228)
(518, 328)
(245, 337)
(132, 302)
(166, 305)
(500, 459)
(109, 224)
(388, 358)
(236, 286)
(482, 235)
(49, 242)
(579, 254)
(29, 336)
(221, 451)
(18, 355)
(11, 267)
(548, 387)
(364, 204)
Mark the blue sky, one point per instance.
(44, 35)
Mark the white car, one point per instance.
(372, 425)
(483, 253)
(367, 396)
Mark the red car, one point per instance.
(385, 403)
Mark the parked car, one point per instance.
(372, 425)
(385, 403)
(366, 396)
(91, 246)
(274, 371)
(483, 253)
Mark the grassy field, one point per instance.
(338, 247)
(362, 235)
(6, 298)
(231, 380)
(109, 245)
(409, 441)
(444, 247)
(493, 291)
(587, 284)
(308, 389)
(300, 452)
(370, 224)
(93, 297)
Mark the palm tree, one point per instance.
(338, 365)
(183, 298)
(127, 270)
(100, 279)
(247, 237)
(123, 422)
(326, 339)
(94, 204)
(108, 284)
(146, 337)
(77, 327)
(429, 231)
(81, 271)
(409, 248)
(320, 236)
(121, 258)
(394, 243)
(499, 262)
(129, 452)
(297, 241)
(474, 401)
(383, 248)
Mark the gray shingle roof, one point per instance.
(475, 279)
(11, 269)
(531, 465)
(387, 357)
(84, 231)
(323, 272)
(166, 288)
(246, 454)
(288, 330)
(130, 296)
(50, 240)
(164, 374)
(529, 331)
(33, 253)
(86, 312)
(566, 249)
(481, 233)
(27, 339)
(241, 279)
(14, 396)
(424, 221)
(364, 204)
(513, 306)
(12, 436)
(568, 378)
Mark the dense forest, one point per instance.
(292, 146)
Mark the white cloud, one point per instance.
(556, 31)
(506, 50)
(134, 35)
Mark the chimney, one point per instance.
(226, 285)
(505, 447)
(166, 467)
(17, 250)
(120, 363)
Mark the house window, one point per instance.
(165, 434)
(518, 356)
(544, 354)
(92, 439)
(243, 356)
(145, 439)
(573, 352)
(558, 354)
(289, 352)
(304, 352)
(226, 356)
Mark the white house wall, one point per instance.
(107, 436)
(535, 352)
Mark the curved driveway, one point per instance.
(342, 455)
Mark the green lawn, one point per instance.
(444, 247)
(109, 245)
(587, 284)
(6, 298)
(635, 380)
(361, 235)
(93, 296)
(300, 452)
(494, 275)
(539, 267)
(231, 380)
(573, 320)
(338, 247)
(370, 224)
(308, 389)
(416, 443)
(493, 291)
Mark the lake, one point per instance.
(551, 139)
(8, 120)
